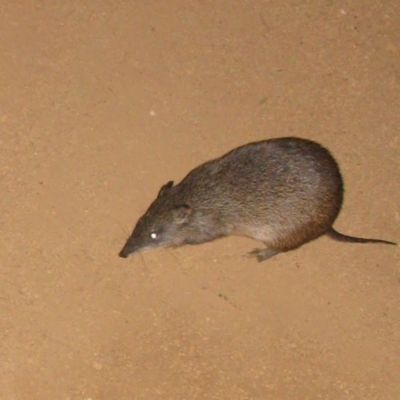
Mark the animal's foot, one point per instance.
(262, 254)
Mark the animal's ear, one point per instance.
(181, 213)
(165, 188)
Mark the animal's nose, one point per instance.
(123, 254)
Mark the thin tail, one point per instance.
(351, 239)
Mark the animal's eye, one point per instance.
(153, 235)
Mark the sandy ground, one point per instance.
(102, 102)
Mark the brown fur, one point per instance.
(283, 192)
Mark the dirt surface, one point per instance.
(103, 102)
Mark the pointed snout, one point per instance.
(123, 253)
(127, 250)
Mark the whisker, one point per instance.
(144, 261)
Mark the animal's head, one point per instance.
(160, 225)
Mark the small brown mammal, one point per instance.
(283, 192)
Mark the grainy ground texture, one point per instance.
(104, 101)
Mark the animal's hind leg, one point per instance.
(263, 254)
